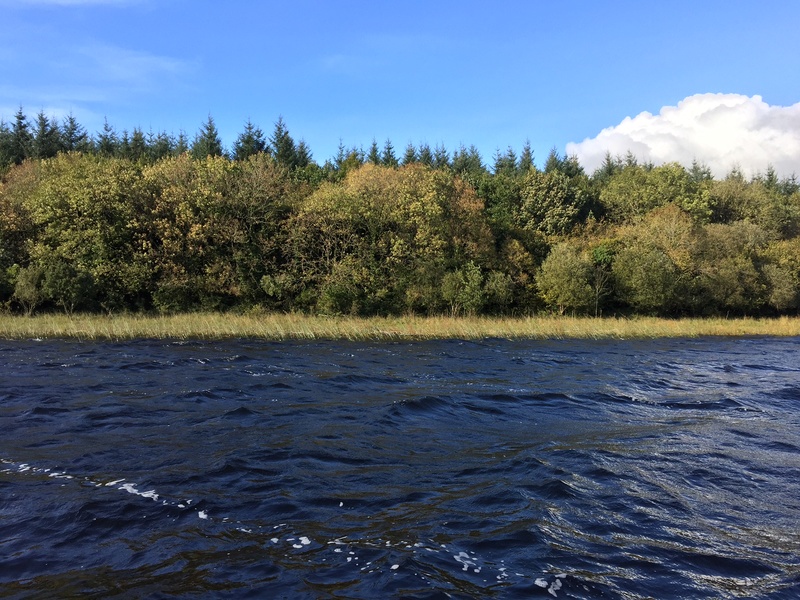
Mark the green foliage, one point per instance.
(552, 203)
(207, 141)
(463, 290)
(67, 285)
(564, 280)
(133, 221)
(633, 191)
(28, 288)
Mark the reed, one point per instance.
(306, 327)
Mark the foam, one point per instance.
(343, 547)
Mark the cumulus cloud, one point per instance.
(722, 131)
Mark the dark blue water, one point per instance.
(235, 469)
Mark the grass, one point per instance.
(305, 327)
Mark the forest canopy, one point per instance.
(149, 222)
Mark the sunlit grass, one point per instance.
(305, 327)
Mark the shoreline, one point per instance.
(279, 327)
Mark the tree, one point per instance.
(45, 142)
(207, 141)
(526, 158)
(505, 162)
(441, 159)
(28, 288)
(67, 285)
(551, 203)
(20, 143)
(374, 154)
(633, 191)
(73, 136)
(425, 155)
(410, 156)
(564, 280)
(388, 158)
(646, 279)
(283, 146)
(138, 149)
(249, 143)
(463, 289)
(107, 141)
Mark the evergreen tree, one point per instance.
(526, 158)
(467, 161)
(207, 141)
(20, 147)
(554, 161)
(282, 145)
(303, 154)
(159, 145)
(124, 149)
(388, 158)
(700, 172)
(5, 145)
(249, 143)
(107, 141)
(426, 155)
(505, 163)
(374, 155)
(73, 136)
(45, 140)
(181, 143)
(410, 155)
(441, 159)
(138, 145)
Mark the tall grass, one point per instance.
(304, 327)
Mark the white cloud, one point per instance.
(721, 130)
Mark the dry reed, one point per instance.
(305, 327)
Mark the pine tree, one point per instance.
(181, 144)
(20, 147)
(505, 163)
(107, 142)
(374, 154)
(207, 141)
(303, 154)
(282, 145)
(441, 159)
(73, 136)
(410, 155)
(138, 145)
(388, 158)
(249, 143)
(526, 158)
(426, 155)
(45, 141)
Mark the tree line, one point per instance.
(148, 222)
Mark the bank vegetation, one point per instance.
(154, 227)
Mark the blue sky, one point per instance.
(488, 74)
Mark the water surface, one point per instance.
(443, 469)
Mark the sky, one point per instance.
(714, 81)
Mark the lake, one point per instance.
(436, 469)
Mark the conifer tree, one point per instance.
(45, 140)
(207, 141)
(73, 136)
(426, 155)
(107, 140)
(441, 159)
(249, 143)
(388, 158)
(526, 158)
(374, 155)
(282, 145)
(20, 146)
(410, 156)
